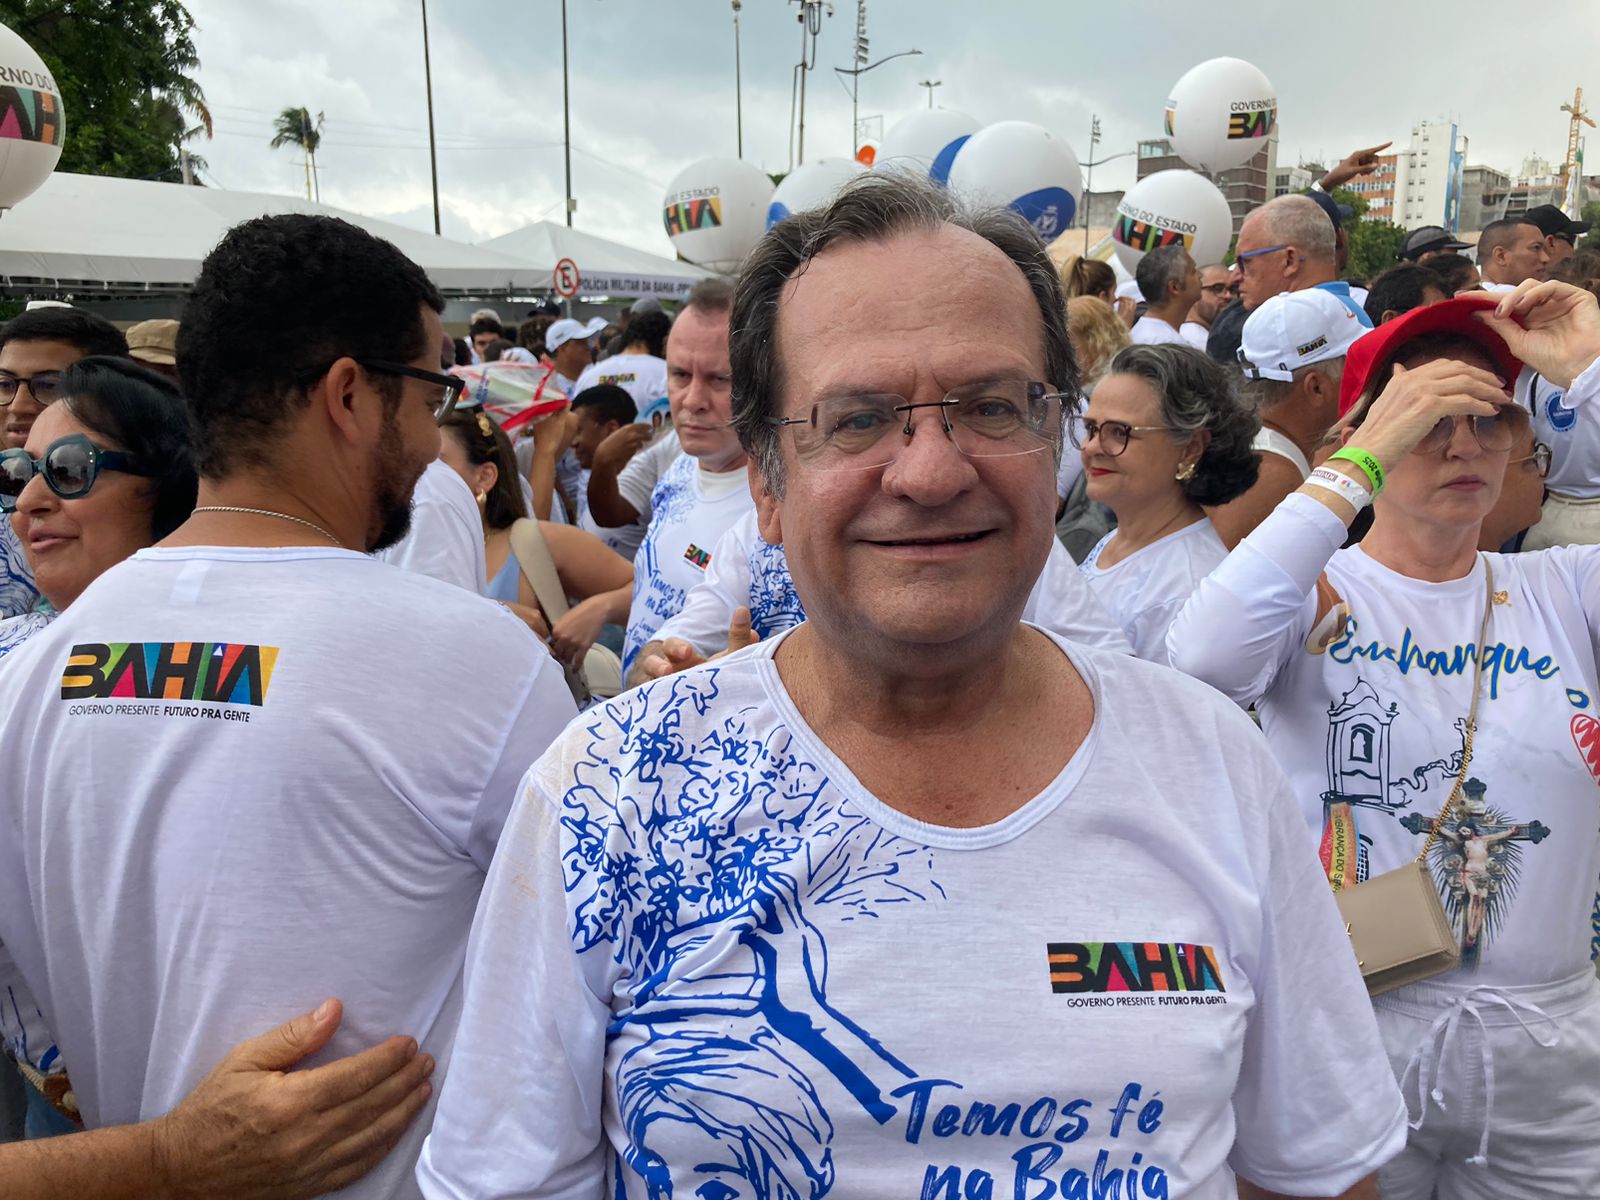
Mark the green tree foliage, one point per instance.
(125, 69)
(296, 128)
(1374, 245)
(1591, 214)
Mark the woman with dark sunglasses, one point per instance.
(1437, 705)
(105, 472)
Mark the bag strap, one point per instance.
(1472, 714)
(538, 568)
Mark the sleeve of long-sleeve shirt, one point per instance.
(708, 608)
(1243, 622)
(520, 1111)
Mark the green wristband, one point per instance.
(1370, 466)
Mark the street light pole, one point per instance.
(738, 87)
(855, 85)
(1088, 179)
(566, 112)
(433, 154)
(930, 84)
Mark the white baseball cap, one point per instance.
(566, 329)
(1297, 329)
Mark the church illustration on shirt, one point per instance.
(1476, 859)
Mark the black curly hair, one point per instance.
(278, 301)
(1196, 393)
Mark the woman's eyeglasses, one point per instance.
(1495, 432)
(1113, 435)
(70, 466)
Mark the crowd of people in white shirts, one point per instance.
(908, 721)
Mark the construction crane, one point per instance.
(1571, 187)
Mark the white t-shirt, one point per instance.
(446, 536)
(692, 509)
(18, 592)
(1363, 683)
(750, 969)
(1568, 421)
(1196, 334)
(637, 481)
(746, 571)
(1145, 590)
(180, 872)
(1153, 331)
(642, 376)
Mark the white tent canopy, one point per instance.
(604, 267)
(92, 233)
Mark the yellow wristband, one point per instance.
(1370, 466)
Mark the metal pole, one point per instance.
(433, 155)
(1088, 180)
(804, 71)
(566, 112)
(855, 120)
(738, 87)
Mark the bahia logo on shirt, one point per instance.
(219, 672)
(1132, 968)
(700, 558)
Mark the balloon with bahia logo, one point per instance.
(1220, 114)
(926, 140)
(811, 185)
(1025, 167)
(715, 211)
(1168, 208)
(32, 123)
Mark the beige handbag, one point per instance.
(601, 676)
(1396, 922)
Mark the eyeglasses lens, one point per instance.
(69, 469)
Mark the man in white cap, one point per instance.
(571, 346)
(1292, 354)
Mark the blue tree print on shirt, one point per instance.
(699, 864)
(774, 604)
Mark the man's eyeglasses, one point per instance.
(1217, 289)
(1239, 260)
(43, 386)
(984, 420)
(70, 466)
(1113, 435)
(451, 386)
(1540, 458)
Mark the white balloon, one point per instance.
(1025, 167)
(715, 211)
(811, 185)
(926, 140)
(1220, 114)
(1171, 207)
(32, 122)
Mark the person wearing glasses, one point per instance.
(1287, 245)
(1427, 698)
(231, 793)
(833, 915)
(1164, 434)
(35, 347)
(1519, 507)
(1216, 289)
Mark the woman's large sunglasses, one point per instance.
(70, 466)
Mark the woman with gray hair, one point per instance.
(1165, 433)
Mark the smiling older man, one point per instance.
(913, 899)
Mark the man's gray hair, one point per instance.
(1159, 268)
(1264, 394)
(873, 207)
(714, 295)
(1298, 222)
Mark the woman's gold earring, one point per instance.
(1185, 472)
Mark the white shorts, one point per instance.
(1566, 521)
(1503, 1087)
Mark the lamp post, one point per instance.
(855, 86)
(930, 84)
(810, 26)
(738, 87)
(427, 78)
(1089, 177)
(566, 114)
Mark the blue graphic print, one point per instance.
(655, 600)
(17, 591)
(16, 630)
(701, 867)
(774, 604)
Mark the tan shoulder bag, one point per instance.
(601, 676)
(1396, 922)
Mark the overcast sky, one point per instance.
(652, 86)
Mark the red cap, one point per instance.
(1374, 351)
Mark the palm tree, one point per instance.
(295, 128)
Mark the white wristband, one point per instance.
(1341, 485)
